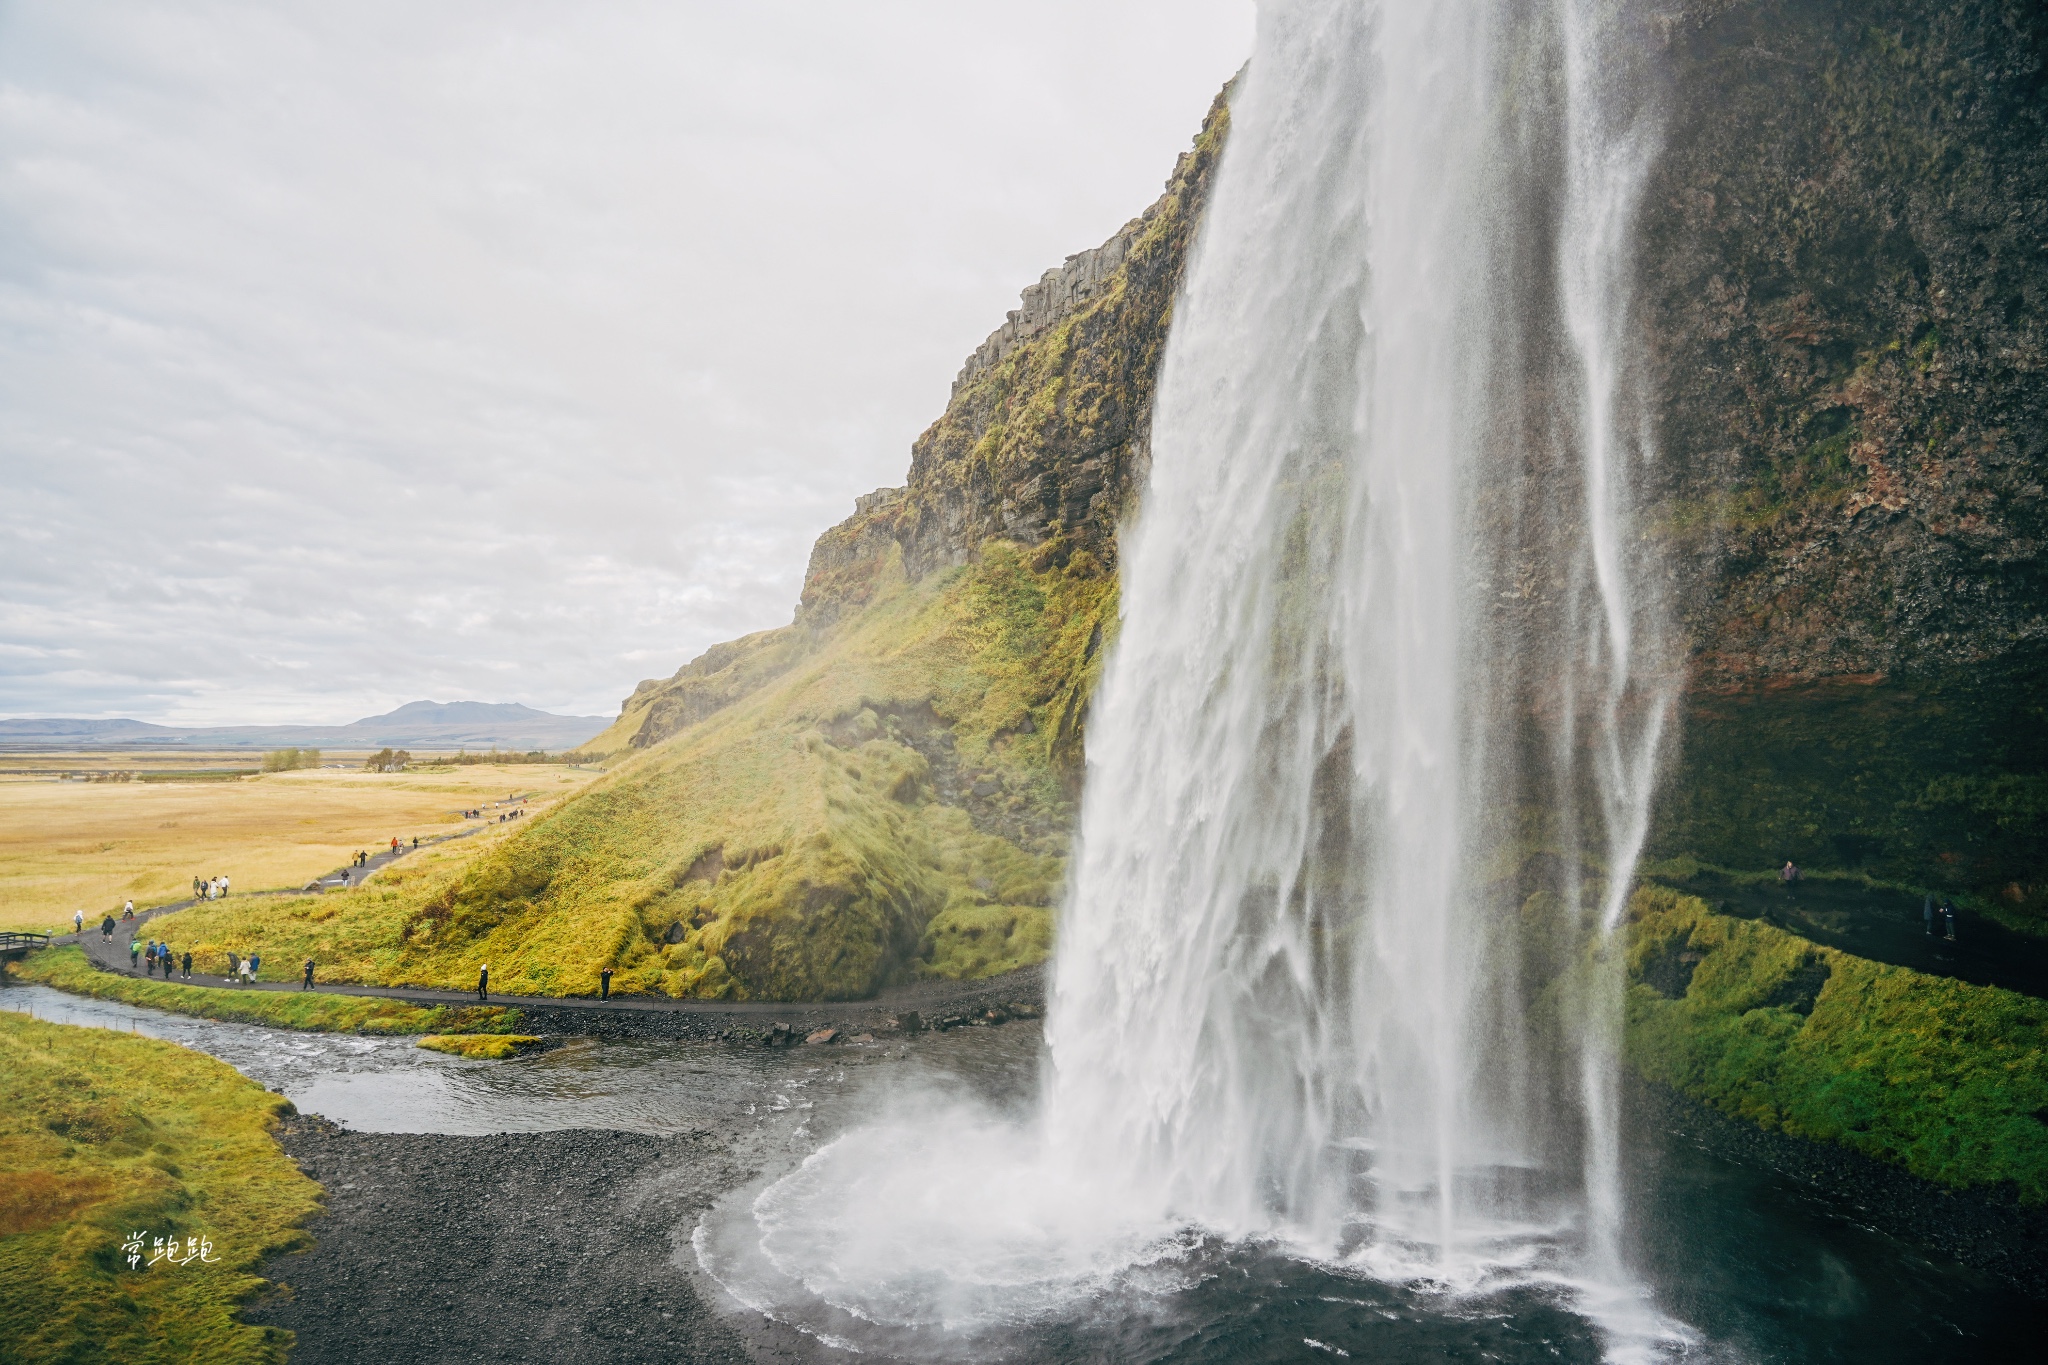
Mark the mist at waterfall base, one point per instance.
(1369, 770)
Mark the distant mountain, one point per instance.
(421, 724)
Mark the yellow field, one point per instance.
(74, 845)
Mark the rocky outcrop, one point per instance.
(1058, 292)
(1042, 444)
(1846, 276)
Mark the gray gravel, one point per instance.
(519, 1247)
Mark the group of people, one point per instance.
(158, 956)
(209, 888)
(1945, 913)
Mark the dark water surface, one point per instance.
(1756, 1267)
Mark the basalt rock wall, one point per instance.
(1842, 278)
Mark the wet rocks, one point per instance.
(820, 1037)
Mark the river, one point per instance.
(1748, 1266)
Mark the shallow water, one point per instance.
(390, 1085)
(1753, 1267)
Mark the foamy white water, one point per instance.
(1389, 626)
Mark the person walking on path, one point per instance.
(1948, 919)
(483, 982)
(307, 984)
(149, 958)
(604, 984)
(128, 910)
(107, 929)
(255, 964)
(134, 951)
(223, 886)
(78, 922)
(188, 964)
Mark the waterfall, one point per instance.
(1293, 981)
(1372, 761)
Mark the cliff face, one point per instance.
(1842, 273)
(1845, 274)
(1845, 271)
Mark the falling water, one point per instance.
(1295, 977)
(1372, 763)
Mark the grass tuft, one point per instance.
(485, 1047)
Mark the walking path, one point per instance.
(114, 957)
(1884, 926)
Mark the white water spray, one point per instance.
(1386, 634)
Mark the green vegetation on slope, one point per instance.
(877, 809)
(67, 969)
(103, 1135)
(1945, 1079)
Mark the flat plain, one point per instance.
(71, 843)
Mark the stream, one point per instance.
(1743, 1265)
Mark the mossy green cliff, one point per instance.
(1944, 1079)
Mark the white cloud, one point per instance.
(355, 354)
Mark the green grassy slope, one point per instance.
(103, 1135)
(1944, 1079)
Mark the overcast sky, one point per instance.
(474, 349)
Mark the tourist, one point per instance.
(134, 951)
(78, 922)
(1789, 873)
(128, 910)
(198, 889)
(307, 984)
(1948, 918)
(1927, 915)
(107, 929)
(255, 964)
(223, 886)
(483, 982)
(149, 958)
(187, 964)
(415, 843)
(604, 984)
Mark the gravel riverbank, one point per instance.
(518, 1247)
